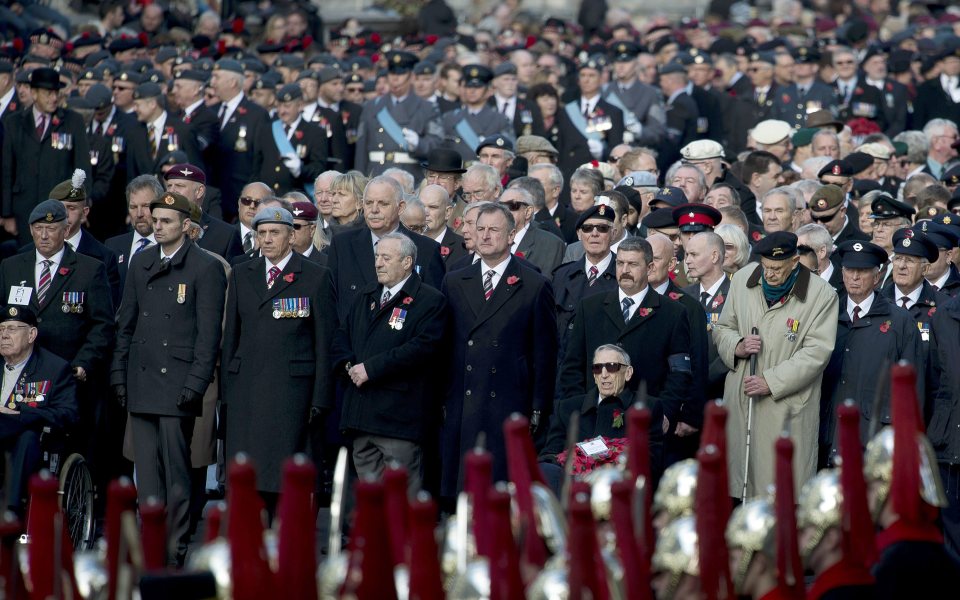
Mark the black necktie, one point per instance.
(856, 314)
(704, 296)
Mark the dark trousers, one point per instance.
(24, 461)
(950, 474)
(161, 454)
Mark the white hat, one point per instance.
(876, 150)
(702, 150)
(771, 131)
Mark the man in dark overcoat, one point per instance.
(503, 348)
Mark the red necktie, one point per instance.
(856, 314)
(41, 126)
(272, 276)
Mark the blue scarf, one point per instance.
(774, 293)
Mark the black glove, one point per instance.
(317, 415)
(120, 394)
(189, 400)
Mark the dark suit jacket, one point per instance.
(451, 248)
(865, 102)
(570, 288)
(164, 345)
(562, 224)
(309, 141)
(350, 257)
(542, 249)
(205, 128)
(220, 237)
(717, 371)
(932, 102)
(658, 345)
(399, 398)
(503, 360)
(84, 339)
(176, 136)
(89, 246)
(233, 165)
(527, 118)
(691, 412)
(275, 369)
(334, 135)
(59, 406)
(120, 246)
(682, 118)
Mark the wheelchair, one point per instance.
(76, 491)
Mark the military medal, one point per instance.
(172, 142)
(94, 157)
(117, 145)
(924, 331)
(181, 293)
(241, 145)
(793, 326)
(397, 317)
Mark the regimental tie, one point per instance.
(153, 142)
(272, 276)
(43, 286)
(592, 275)
(626, 303)
(248, 242)
(704, 297)
(904, 300)
(41, 126)
(385, 298)
(164, 261)
(144, 242)
(488, 284)
(856, 314)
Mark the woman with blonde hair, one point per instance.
(736, 248)
(347, 190)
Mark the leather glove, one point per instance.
(412, 139)
(317, 416)
(596, 148)
(293, 163)
(120, 394)
(189, 400)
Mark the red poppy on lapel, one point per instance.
(241, 110)
(288, 277)
(444, 250)
(859, 90)
(408, 300)
(519, 254)
(885, 326)
(717, 301)
(112, 129)
(186, 119)
(298, 134)
(645, 311)
(169, 130)
(598, 111)
(64, 271)
(12, 106)
(786, 98)
(345, 117)
(512, 279)
(673, 295)
(56, 121)
(889, 87)
(932, 311)
(757, 236)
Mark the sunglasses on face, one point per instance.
(248, 201)
(822, 218)
(602, 228)
(611, 367)
(514, 205)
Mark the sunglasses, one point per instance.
(602, 228)
(248, 201)
(823, 218)
(611, 367)
(514, 205)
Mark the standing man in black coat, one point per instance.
(344, 117)
(589, 125)
(504, 350)
(392, 338)
(682, 114)
(437, 210)
(945, 423)
(240, 124)
(351, 253)
(219, 237)
(158, 133)
(140, 193)
(277, 376)
(41, 146)
(168, 338)
(202, 122)
(653, 330)
(856, 99)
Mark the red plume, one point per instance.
(638, 463)
(221, 47)
(859, 542)
(154, 534)
(425, 579)
(297, 547)
(523, 470)
(715, 431)
(431, 39)
(18, 44)
(395, 480)
(42, 526)
(237, 26)
(530, 41)
(506, 582)
(251, 574)
(214, 521)
(370, 574)
(638, 576)
(121, 498)
(789, 567)
(68, 48)
(374, 58)
(712, 508)
(585, 566)
(478, 479)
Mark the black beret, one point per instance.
(597, 211)
(779, 245)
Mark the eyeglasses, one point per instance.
(611, 367)
(441, 177)
(416, 228)
(299, 226)
(468, 195)
(9, 329)
(615, 159)
(601, 227)
(824, 218)
(514, 205)
(248, 201)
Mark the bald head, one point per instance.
(660, 241)
(436, 205)
(704, 257)
(259, 188)
(664, 259)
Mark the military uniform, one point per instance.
(862, 101)
(796, 101)
(717, 371)
(464, 129)
(642, 105)
(201, 121)
(605, 123)
(175, 136)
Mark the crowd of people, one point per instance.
(244, 241)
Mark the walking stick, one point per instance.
(751, 400)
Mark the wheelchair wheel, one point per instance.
(76, 501)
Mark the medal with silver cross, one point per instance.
(793, 326)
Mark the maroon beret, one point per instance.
(186, 171)
(305, 211)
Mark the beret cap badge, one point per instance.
(49, 217)
(168, 199)
(777, 251)
(12, 311)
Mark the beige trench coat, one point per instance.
(791, 365)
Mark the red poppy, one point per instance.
(408, 300)
(756, 235)
(673, 295)
(598, 112)
(645, 311)
(932, 311)
(786, 99)
(889, 87)
(186, 119)
(169, 130)
(288, 278)
(298, 134)
(520, 254)
(717, 301)
(512, 279)
(457, 223)
(885, 326)
(63, 271)
(111, 129)
(444, 250)
(618, 418)
(56, 121)
(859, 90)
(241, 110)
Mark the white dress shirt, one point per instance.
(511, 106)
(601, 266)
(827, 273)
(864, 306)
(518, 238)
(395, 289)
(10, 377)
(136, 242)
(6, 99)
(74, 240)
(637, 300)
(497, 270)
(942, 281)
(155, 129)
(712, 291)
(231, 105)
(912, 297)
(55, 264)
(267, 265)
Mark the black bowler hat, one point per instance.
(779, 245)
(861, 255)
(913, 242)
(45, 78)
(444, 160)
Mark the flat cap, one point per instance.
(48, 211)
(912, 242)
(173, 201)
(771, 131)
(505, 68)
(855, 254)
(535, 143)
(186, 171)
(273, 215)
(702, 150)
(875, 150)
(779, 245)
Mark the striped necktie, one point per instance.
(385, 298)
(144, 242)
(488, 284)
(592, 277)
(44, 284)
(626, 303)
(272, 276)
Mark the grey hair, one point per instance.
(624, 356)
(554, 174)
(817, 235)
(826, 132)
(395, 187)
(524, 194)
(413, 202)
(935, 127)
(533, 188)
(783, 190)
(406, 179)
(487, 175)
(144, 182)
(816, 163)
(841, 50)
(806, 187)
(496, 207)
(475, 206)
(732, 234)
(917, 145)
(294, 196)
(637, 244)
(331, 174)
(713, 241)
(672, 172)
(407, 247)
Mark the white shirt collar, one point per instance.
(864, 306)
(281, 265)
(56, 259)
(308, 110)
(193, 107)
(828, 272)
(942, 281)
(376, 238)
(439, 238)
(232, 105)
(396, 289)
(7, 98)
(601, 266)
(615, 245)
(293, 127)
(637, 299)
(912, 297)
(662, 288)
(75, 240)
(163, 254)
(159, 122)
(334, 107)
(136, 242)
(590, 103)
(244, 230)
(519, 237)
(713, 288)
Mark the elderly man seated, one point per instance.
(38, 390)
(603, 412)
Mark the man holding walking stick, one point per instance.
(782, 319)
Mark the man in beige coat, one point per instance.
(795, 313)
